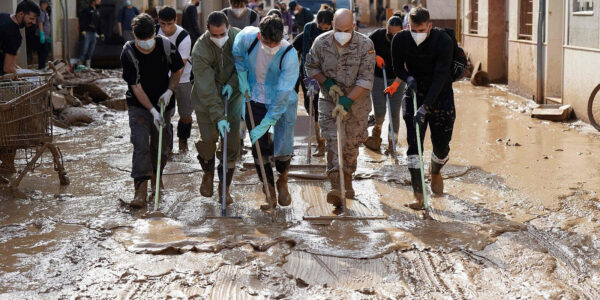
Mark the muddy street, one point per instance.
(519, 218)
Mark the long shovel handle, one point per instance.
(158, 160)
(224, 163)
(340, 148)
(420, 153)
(389, 109)
(311, 97)
(260, 162)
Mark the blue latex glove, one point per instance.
(227, 90)
(49, 39)
(261, 129)
(223, 127)
(244, 86)
(311, 82)
(421, 115)
(411, 84)
(42, 37)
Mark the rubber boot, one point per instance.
(206, 187)
(283, 167)
(270, 184)
(374, 141)
(184, 130)
(417, 185)
(348, 185)
(183, 146)
(141, 193)
(334, 197)
(228, 179)
(320, 151)
(437, 182)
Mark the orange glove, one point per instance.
(392, 88)
(380, 61)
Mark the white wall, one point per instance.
(442, 9)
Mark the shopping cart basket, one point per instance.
(26, 123)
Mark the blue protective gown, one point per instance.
(279, 96)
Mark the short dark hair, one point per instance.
(275, 12)
(419, 15)
(216, 19)
(27, 7)
(271, 28)
(167, 13)
(325, 16)
(232, 2)
(143, 26)
(395, 21)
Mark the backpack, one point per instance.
(459, 58)
(253, 45)
(182, 35)
(167, 51)
(253, 14)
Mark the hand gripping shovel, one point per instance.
(391, 131)
(420, 155)
(155, 213)
(261, 164)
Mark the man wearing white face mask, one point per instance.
(147, 62)
(239, 15)
(268, 68)
(423, 55)
(343, 62)
(215, 79)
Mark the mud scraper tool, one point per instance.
(156, 213)
(345, 216)
(419, 146)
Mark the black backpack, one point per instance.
(459, 59)
(167, 51)
(182, 35)
(253, 45)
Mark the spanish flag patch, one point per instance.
(371, 51)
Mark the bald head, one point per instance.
(343, 20)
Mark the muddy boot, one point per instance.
(437, 182)
(141, 193)
(334, 197)
(183, 146)
(348, 185)
(206, 187)
(374, 141)
(184, 130)
(283, 167)
(415, 176)
(390, 148)
(271, 185)
(228, 179)
(320, 151)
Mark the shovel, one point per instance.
(156, 213)
(311, 97)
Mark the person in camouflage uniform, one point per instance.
(343, 62)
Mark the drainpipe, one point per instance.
(540, 53)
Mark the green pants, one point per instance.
(209, 134)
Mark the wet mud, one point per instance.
(519, 218)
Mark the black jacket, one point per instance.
(189, 22)
(429, 63)
(89, 20)
(383, 47)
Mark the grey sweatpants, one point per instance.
(144, 137)
(380, 103)
(183, 94)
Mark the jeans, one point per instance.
(87, 46)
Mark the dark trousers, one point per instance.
(144, 137)
(43, 51)
(259, 111)
(441, 123)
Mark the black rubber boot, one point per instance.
(206, 187)
(283, 167)
(417, 185)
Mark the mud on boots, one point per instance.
(430, 103)
(268, 68)
(215, 88)
(320, 151)
(343, 96)
(228, 180)
(147, 62)
(140, 193)
(283, 167)
(373, 142)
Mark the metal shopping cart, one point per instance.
(26, 123)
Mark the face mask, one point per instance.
(220, 41)
(238, 11)
(270, 51)
(419, 37)
(342, 37)
(127, 3)
(146, 45)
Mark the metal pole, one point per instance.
(224, 163)
(540, 53)
(420, 154)
(391, 130)
(311, 97)
(341, 162)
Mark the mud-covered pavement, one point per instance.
(519, 218)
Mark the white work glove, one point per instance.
(166, 97)
(158, 120)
